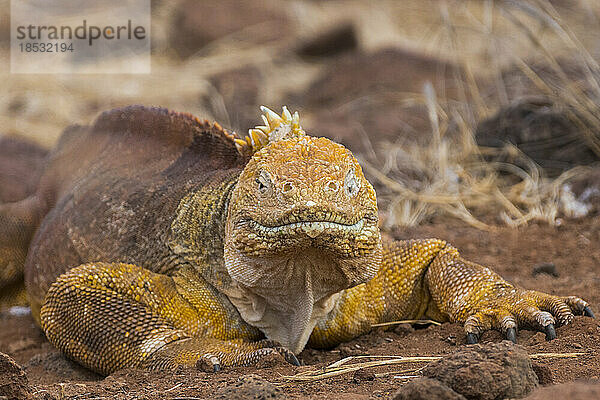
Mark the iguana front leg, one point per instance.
(479, 298)
(398, 291)
(428, 278)
(113, 316)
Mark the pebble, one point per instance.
(363, 375)
(547, 268)
(19, 311)
(451, 339)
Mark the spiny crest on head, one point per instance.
(276, 127)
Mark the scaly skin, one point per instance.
(21, 164)
(166, 241)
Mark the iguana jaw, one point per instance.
(285, 296)
(287, 277)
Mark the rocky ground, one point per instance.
(369, 77)
(574, 251)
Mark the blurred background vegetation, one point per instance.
(481, 110)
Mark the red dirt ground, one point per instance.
(573, 247)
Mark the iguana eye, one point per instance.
(351, 183)
(263, 183)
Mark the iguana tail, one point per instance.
(21, 165)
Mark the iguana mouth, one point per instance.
(355, 238)
(300, 217)
(311, 228)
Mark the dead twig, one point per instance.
(407, 321)
(342, 367)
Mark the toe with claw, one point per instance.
(526, 309)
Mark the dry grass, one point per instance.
(406, 321)
(343, 366)
(449, 176)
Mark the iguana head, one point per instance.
(302, 225)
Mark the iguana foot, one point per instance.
(112, 316)
(524, 308)
(474, 295)
(211, 355)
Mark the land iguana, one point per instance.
(157, 240)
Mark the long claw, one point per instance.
(511, 334)
(472, 338)
(550, 332)
(288, 356)
(587, 311)
(292, 359)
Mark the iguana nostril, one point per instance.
(332, 186)
(287, 187)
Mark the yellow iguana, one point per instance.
(157, 240)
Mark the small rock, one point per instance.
(19, 311)
(580, 195)
(545, 268)
(46, 396)
(363, 375)
(403, 329)
(543, 373)
(580, 390)
(451, 339)
(347, 98)
(13, 381)
(577, 345)
(582, 241)
(536, 126)
(426, 389)
(486, 372)
(249, 387)
(347, 351)
(359, 74)
(118, 382)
